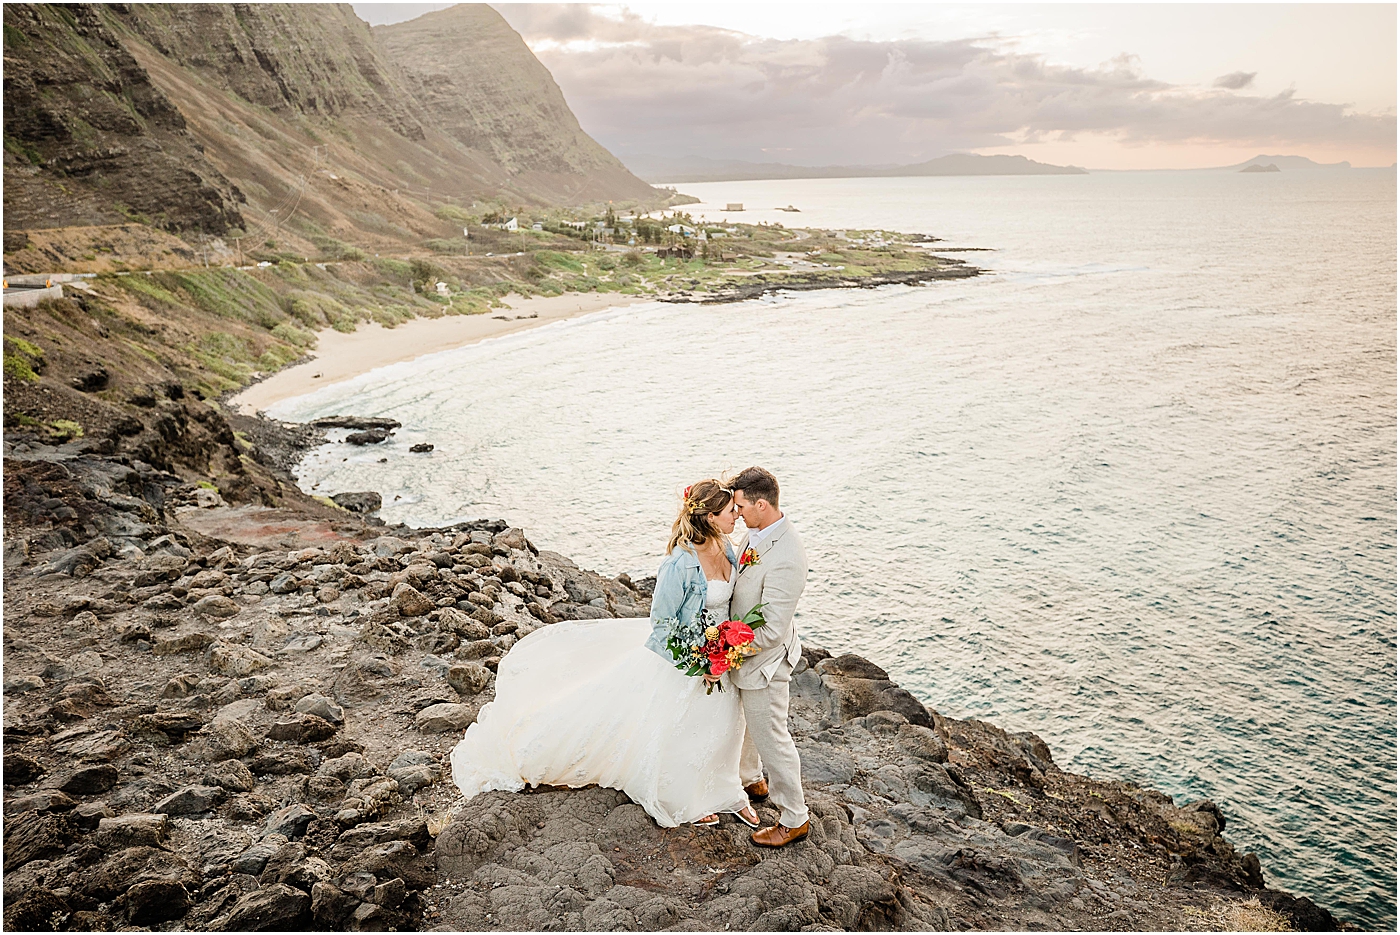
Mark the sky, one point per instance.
(1125, 86)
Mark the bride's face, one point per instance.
(724, 520)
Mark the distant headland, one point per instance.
(701, 169)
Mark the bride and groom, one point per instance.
(602, 701)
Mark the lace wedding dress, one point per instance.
(583, 701)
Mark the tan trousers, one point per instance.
(767, 742)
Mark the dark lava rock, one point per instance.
(355, 422)
(35, 909)
(90, 780)
(304, 728)
(156, 901)
(34, 835)
(90, 814)
(190, 800)
(421, 447)
(274, 908)
(360, 501)
(371, 437)
(20, 769)
(282, 763)
(138, 829)
(92, 381)
(49, 800)
(290, 821)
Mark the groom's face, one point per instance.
(751, 511)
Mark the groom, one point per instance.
(772, 572)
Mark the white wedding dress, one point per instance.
(584, 701)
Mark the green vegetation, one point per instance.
(23, 361)
(63, 430)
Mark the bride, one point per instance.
(601, 701)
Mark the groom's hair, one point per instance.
(757, 484)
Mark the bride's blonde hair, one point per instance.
(693, 526)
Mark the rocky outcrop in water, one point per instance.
(238, 718)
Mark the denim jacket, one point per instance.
(680, 593)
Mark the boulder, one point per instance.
(322, 707)
(89, 780)
(414, 769)
(50, 800)
(154, 901)
(290, 821)
(20, 684)
(135, 829)
(468, 678)
(477, 649)
(367, 437)
(224, 738)
(235, 661)
(450, 618)
(858, 687)
(445, 718)
(254, 859)
(347, 768)
(233, 775)
(190, 800)
(21, 770)
(411, 602)
(332, 907)
(35, 835)
(274, 908)
(302, 729)
(216, 606)
(363, 501)
(922, 742)
(185, 643)
(284, 583)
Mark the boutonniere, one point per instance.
(750, 557)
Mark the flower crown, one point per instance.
(698, 506)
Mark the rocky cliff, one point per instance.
(464, 63)
(291, 124)
(238, 718)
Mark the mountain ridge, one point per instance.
(702, 169)
(292, 124)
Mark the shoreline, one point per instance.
(340, 356)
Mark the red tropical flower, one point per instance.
(750, 557)
(735, 633)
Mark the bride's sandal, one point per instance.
(709, 821)
(751, 819)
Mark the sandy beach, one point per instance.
(339, 356)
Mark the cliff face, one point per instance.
(314, 60)
(89, 139)
(294, 124)
(487, 91)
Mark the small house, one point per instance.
(734, 206)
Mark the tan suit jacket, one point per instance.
(776, 581)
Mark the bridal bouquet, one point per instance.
(710, 646)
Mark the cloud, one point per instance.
(1236, 80)
(642, 88)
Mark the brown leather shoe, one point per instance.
(758, 791)
(780, 835)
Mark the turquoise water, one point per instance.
(1133, 490)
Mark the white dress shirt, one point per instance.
(756, 536)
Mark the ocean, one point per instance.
(1133, 489)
